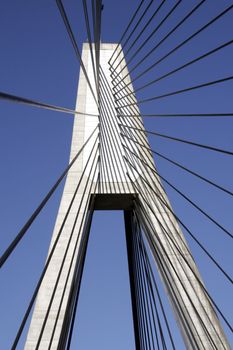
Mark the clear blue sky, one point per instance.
(37, 62)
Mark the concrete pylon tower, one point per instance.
(116, 171)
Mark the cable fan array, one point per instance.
(141, 50)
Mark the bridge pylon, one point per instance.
(116, 171)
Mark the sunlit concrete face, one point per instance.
(110, 160)
(103, 160)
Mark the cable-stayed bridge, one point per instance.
(112, 168)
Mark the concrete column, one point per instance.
(116, 191)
